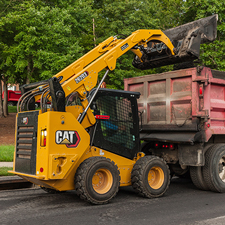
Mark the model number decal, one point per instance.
(69, 138)
(25, 120)
(81, 77)
(124, 47)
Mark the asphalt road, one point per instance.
(182, 204)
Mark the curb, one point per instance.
(6, 164)
(14, 182)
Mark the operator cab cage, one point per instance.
(117, 123)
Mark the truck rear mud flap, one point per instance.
(26, 142)
(186, 39)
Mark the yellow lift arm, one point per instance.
(82, 75)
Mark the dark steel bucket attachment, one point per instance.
(186, 39)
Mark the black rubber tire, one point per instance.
(51, 191)
(196, 173)
(140, 176)
(212, 166)
(84, 180)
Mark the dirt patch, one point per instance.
(7, 129)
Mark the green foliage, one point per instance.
(211, 54)
(4, 171)
(12, 109)
(122, 18)
(40, 38)
(168, 13)
(6, 153)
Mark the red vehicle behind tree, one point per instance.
(13, 97)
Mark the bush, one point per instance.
(12, 109)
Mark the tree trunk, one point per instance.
(27, 80)
(5, 103)
(30, 69)
(1, 104)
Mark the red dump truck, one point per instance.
(182, 117)
(13, 97)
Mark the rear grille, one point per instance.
(24, 141)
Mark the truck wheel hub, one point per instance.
(222, 168)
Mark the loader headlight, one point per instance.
(43, 137)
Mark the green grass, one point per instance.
(12, 109)
(4, 171)
(6, 153)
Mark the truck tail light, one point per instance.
(165, 146)
(156, 145)
(201, 91)
(43, 137)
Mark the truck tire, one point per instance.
(97, 180)
(51, 191)
(197, 177)
(196, 173)
(150, 176)
(214, 169)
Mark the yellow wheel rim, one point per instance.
(155, 177)
(102, 181)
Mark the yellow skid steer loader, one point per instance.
(88, 139)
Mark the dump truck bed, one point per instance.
(188, 103)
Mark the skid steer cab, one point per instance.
(55, 151)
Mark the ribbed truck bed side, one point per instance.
(180, 100)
